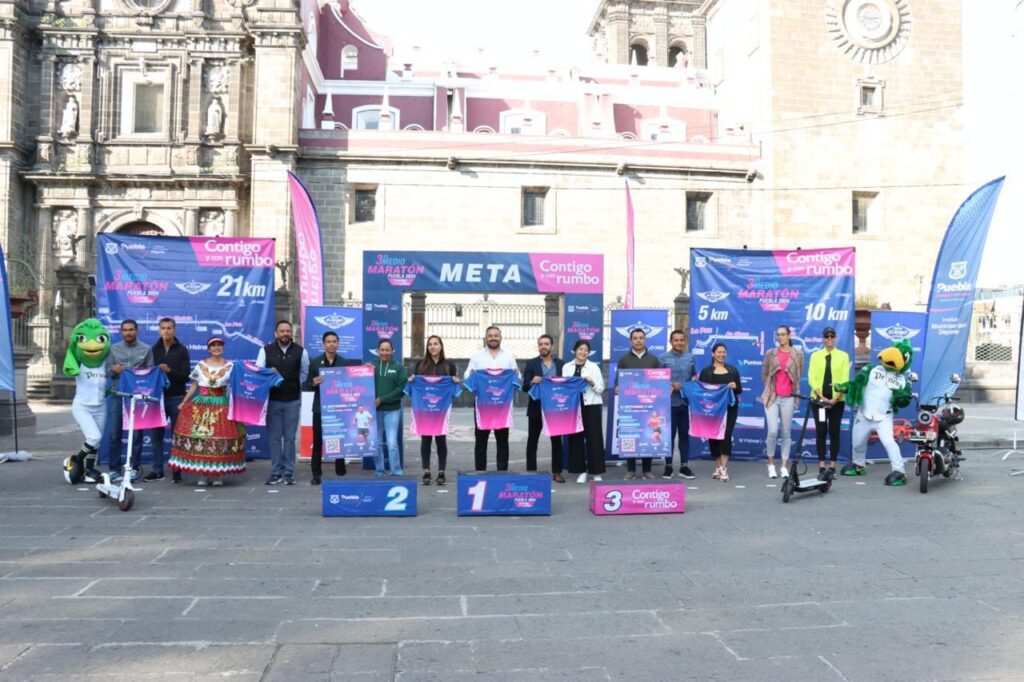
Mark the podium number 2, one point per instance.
(614, 498)
(396, 499)
(477, 493)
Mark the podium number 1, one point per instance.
(477, 493)
(614, 498)
(396, 499)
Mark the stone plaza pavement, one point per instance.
(248, 582)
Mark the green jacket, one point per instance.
(389, 380)
(816, 371)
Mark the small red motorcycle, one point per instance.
(935, 438)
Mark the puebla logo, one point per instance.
(958, 269)
(110, 248)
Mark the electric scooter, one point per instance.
(122, 492)
(792, 483)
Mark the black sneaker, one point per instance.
(686, 472)
(668, 471)
(426, 478)
(176, 477)
(274, 480)
(441, 480)
(340, 469)
(153, 476)
(315, 480)
(288, 480)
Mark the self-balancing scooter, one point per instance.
(792, 483)
(122, 492)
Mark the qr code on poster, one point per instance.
(627, 446)
(332, 446)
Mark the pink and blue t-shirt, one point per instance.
(250, 391)
(495, 390)
(431, 398)
(147, 381)
(560, 404)
(709, 408)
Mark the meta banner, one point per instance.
(951, 302)
(389, 274)
(210, 286)
(738, 298)
(643, 411)
(889, 327)
(348, 414)
(654, 324)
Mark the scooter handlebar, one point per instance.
(136, 396)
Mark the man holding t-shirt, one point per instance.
(637, 358)
(543, 366)
(491, 357)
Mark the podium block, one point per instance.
(394, 497)
(612, 499)
(504, 494)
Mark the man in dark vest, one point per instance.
(291, 361)
(330, 358)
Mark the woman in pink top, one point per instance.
(780, 373)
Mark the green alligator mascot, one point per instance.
(876, 392)
(88, 361)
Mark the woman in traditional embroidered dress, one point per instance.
(205, 441)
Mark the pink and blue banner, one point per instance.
(348, 412)
(250, 392)
(643, 413)
(210, 286)
(951, 302)
(6, 337)
(560, 404)
(738, 297)
(613, 499)
(431, 401)
(308, 249)
(709, 408)
(495, 390)
(389, 274)
(149, 382)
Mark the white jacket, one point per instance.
(592, 371)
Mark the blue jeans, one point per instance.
(387, 428)
(680, 430)
(282, 425)
(112, 439)
(172, 403)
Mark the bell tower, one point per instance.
(649, 33)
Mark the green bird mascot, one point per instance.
(88, 361)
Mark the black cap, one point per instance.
(827, 331)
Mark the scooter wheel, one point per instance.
(126, 503)
(787, 490)
(828, 486)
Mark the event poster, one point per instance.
(655, 326)
(643, 412)
(431, 398)
(347, 412)
(220, 286)
(738, 297)
(495, 391)
(887, 328)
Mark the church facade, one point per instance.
(756, 123)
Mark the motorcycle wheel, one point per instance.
(923, 474)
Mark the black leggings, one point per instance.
(830, 426)
(724, 446)
(442, 451)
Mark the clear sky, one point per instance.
(993, 39)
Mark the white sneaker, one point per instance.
(784, 471)
(598, 479)
(582, 478)
(201, 482)
(771, 471)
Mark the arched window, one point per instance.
(140, 228)
(311, 33)
(483, 129)
(523, 122)
(414, 126)
(368, 118)
(677, 55)
(638, 54)
(349, 58)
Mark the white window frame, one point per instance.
(877, 107)
(349, 52)
(309, 109)
(676, 130)
(129, 79)
(872, 217)
(509, 118)
(358, 112)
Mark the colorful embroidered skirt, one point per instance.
(205, 441)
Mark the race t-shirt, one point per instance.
(147, 381)
(250, 391)
(431, 398)
(494, 389)
(560, 404)
(709, 407)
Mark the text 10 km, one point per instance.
(817, 312)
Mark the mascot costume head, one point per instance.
(86, 361)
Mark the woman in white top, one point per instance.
(586, 448)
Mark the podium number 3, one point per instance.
(396, 499)
(477, 493)
(614, 502)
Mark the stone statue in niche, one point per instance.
(69, 118)
(211, 223)
(215, 118)
(65, 234)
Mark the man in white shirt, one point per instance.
(491, 357)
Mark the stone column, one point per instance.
(553, 320)
(419, 327)
(84, 247)
(86, 107)
(617, 32)
(681, 314)
(233, 100)
(659, 51)
(22, 412)
(46, 87)
(230, 222)
(195, 99)
(700, 43)
(191, 221)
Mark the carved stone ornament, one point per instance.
(65, 233)
(217, 80)
(211, 222)
(869, 31)
(71, 77)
